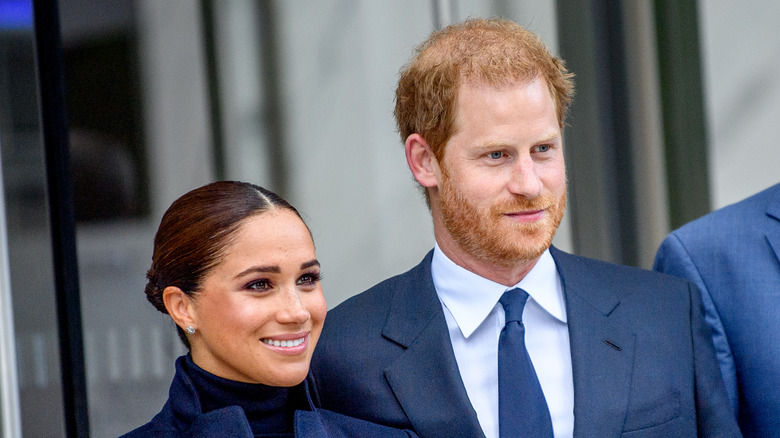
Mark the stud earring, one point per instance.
(190, 330)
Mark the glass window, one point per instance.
(28, 319)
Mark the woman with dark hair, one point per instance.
(234, 266)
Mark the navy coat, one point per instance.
(181, 417)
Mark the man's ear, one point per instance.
(179, 306)
(422, 161)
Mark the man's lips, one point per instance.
(526, 216)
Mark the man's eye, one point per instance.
(496, 155)
(543, 148)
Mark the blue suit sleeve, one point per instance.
(673, 258)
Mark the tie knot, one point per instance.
(513, 302)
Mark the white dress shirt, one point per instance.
(475, 319)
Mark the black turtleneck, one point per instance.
(269, 409)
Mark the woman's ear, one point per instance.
(179, 306)
(422, 162)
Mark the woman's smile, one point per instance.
(291, 344)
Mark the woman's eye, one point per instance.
(308, 279)
(495, 155)
(260, 285)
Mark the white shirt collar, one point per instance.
(470, 298)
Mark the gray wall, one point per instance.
(741, 59)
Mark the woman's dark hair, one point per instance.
(195, 231)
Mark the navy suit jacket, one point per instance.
(733, 256)
(642, 356)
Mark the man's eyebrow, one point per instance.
(550, 136)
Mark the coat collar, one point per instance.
(186, 413)
(602, 349)
(425, 378)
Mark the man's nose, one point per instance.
(524, 180)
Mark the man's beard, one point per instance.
(483, 232)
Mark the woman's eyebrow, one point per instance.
(264, 269)
(310, 263)
(274, 269)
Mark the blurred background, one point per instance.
(676, 114)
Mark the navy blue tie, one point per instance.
(522, 409)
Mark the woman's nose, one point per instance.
(292, 309)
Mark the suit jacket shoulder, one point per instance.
(385, 356)
(733, 256)
(739, 221)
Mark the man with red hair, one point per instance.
(496, 333)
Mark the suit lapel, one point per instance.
(602, 350)
(773, 211)
(425, 378)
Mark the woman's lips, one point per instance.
(288, 344)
